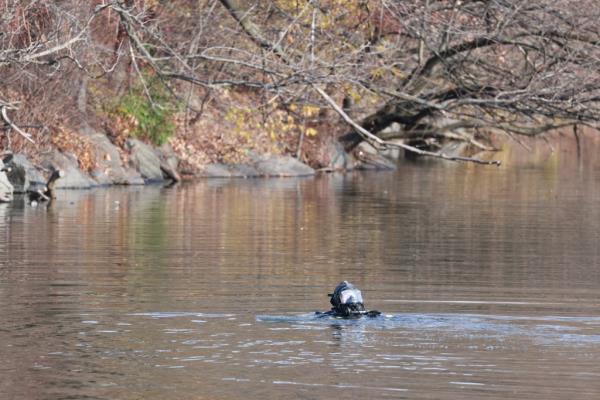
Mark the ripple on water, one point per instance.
(176, 314)
(543, 330)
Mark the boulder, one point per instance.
(168, 162)
(132, 177)
(101, 178)
(243, 171)
(6, 188)
(119, 176)
(370, 159)
(216, 170)
(143, 158)
(23, 174)
(219, 170)
(73, 177)
(277, 165)
(339, 159)
(110, 169)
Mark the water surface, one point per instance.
(488, 280)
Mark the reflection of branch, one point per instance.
(3, 112)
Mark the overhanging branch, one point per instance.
(382, 144)
(4, 107)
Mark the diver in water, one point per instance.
(347, 302)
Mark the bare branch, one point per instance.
(380, 143)
(4, 107)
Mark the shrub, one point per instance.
(150, 112)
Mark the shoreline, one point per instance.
(140, 164)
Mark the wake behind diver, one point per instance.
(347, 302)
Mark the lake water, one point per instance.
(488, 279)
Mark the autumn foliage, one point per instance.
(220, 78)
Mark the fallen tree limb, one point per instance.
(379, 143)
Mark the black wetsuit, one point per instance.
(347, 303)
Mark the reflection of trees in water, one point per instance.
(422, 232)
(427, 220)
(428, 231)
(4, 226)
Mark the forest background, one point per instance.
(224, 80)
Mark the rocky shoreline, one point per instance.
(139, 163)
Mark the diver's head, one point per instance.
(346, 300)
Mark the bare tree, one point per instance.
(46, 47)
(420, 71)
(430, 69)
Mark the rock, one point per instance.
(6, 188)
(339, 159)
(243, 171)
(168, 162)
(144, 160)
(393, 153)
(367, 148)
(101, 177)
(118, 177)
(219, 170)
(216, 170)
(282, 166)
(23, 174)
(370, 159)
(73, 177)
(110, 169)
(133, 177)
